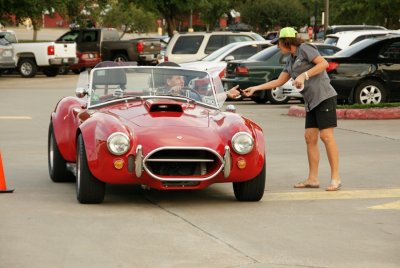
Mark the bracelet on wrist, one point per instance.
(306, 74)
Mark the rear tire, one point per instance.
(252, 190)
(275, 98)
(57, 165)
(89, 190)
(370, 92)
(27, 67)
(120, 58)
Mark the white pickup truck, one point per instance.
(47, 57)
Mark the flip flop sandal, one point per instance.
(334, 186)
(305, 184)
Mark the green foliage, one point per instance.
(376, 12)
(131, 17)
(266, 14)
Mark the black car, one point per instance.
(262, 67)
(368, 71)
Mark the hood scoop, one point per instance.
(163, 106)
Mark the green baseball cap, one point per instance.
(287, 32)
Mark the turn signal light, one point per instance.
(118, 163)
(241, 163)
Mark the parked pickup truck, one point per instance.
(6, 53)
(106, 41)
(47, 57)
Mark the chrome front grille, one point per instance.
(183, 163)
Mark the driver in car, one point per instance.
(175, 85)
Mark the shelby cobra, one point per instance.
(126, 126)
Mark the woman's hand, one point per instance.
(249, 91)
(299, 81)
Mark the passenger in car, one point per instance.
(308, 70)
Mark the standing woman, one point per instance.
(308, 70)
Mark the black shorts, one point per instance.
(322, 116)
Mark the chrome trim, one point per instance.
(139, 161)
(227, 161)
(188, 160)
(230, 108)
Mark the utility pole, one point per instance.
(315, 21)
(326, 21)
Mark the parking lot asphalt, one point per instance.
(42, 224)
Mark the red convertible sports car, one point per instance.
(131, 125)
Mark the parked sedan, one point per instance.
(367, 72)
(261, 68)
(217, 60)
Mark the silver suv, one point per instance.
(185, 47)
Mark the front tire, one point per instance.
(89, 190)
(251, 190)
(370, 92)
(57, 165)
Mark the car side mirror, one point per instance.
(81, 92)
(229, 58)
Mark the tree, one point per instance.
(212, 10)
(170, 10)
(131, 17)
(377, 12)
(262, 14)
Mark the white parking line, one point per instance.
(15, 118)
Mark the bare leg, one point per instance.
(332, 152)
(311, 137)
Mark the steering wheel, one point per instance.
(198, 95)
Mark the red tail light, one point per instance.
(50, 50)
(140, 47)
(332, 66)
(165, 58)
(241, 70)
(222, 73)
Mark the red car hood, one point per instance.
(163, 113)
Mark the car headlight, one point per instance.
(242, 143)
(118, 143)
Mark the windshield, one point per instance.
(351, 50)
(9, 36)
(109, 84)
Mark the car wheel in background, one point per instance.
(63, 70)
(276, 97)
(51, 71)
(370, 92)
(27, 67)
(58, 170)
(120, 57)
(252, 190)
(89, 190)
(78, 71)
(261, 98)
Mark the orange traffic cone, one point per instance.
(3, 187)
